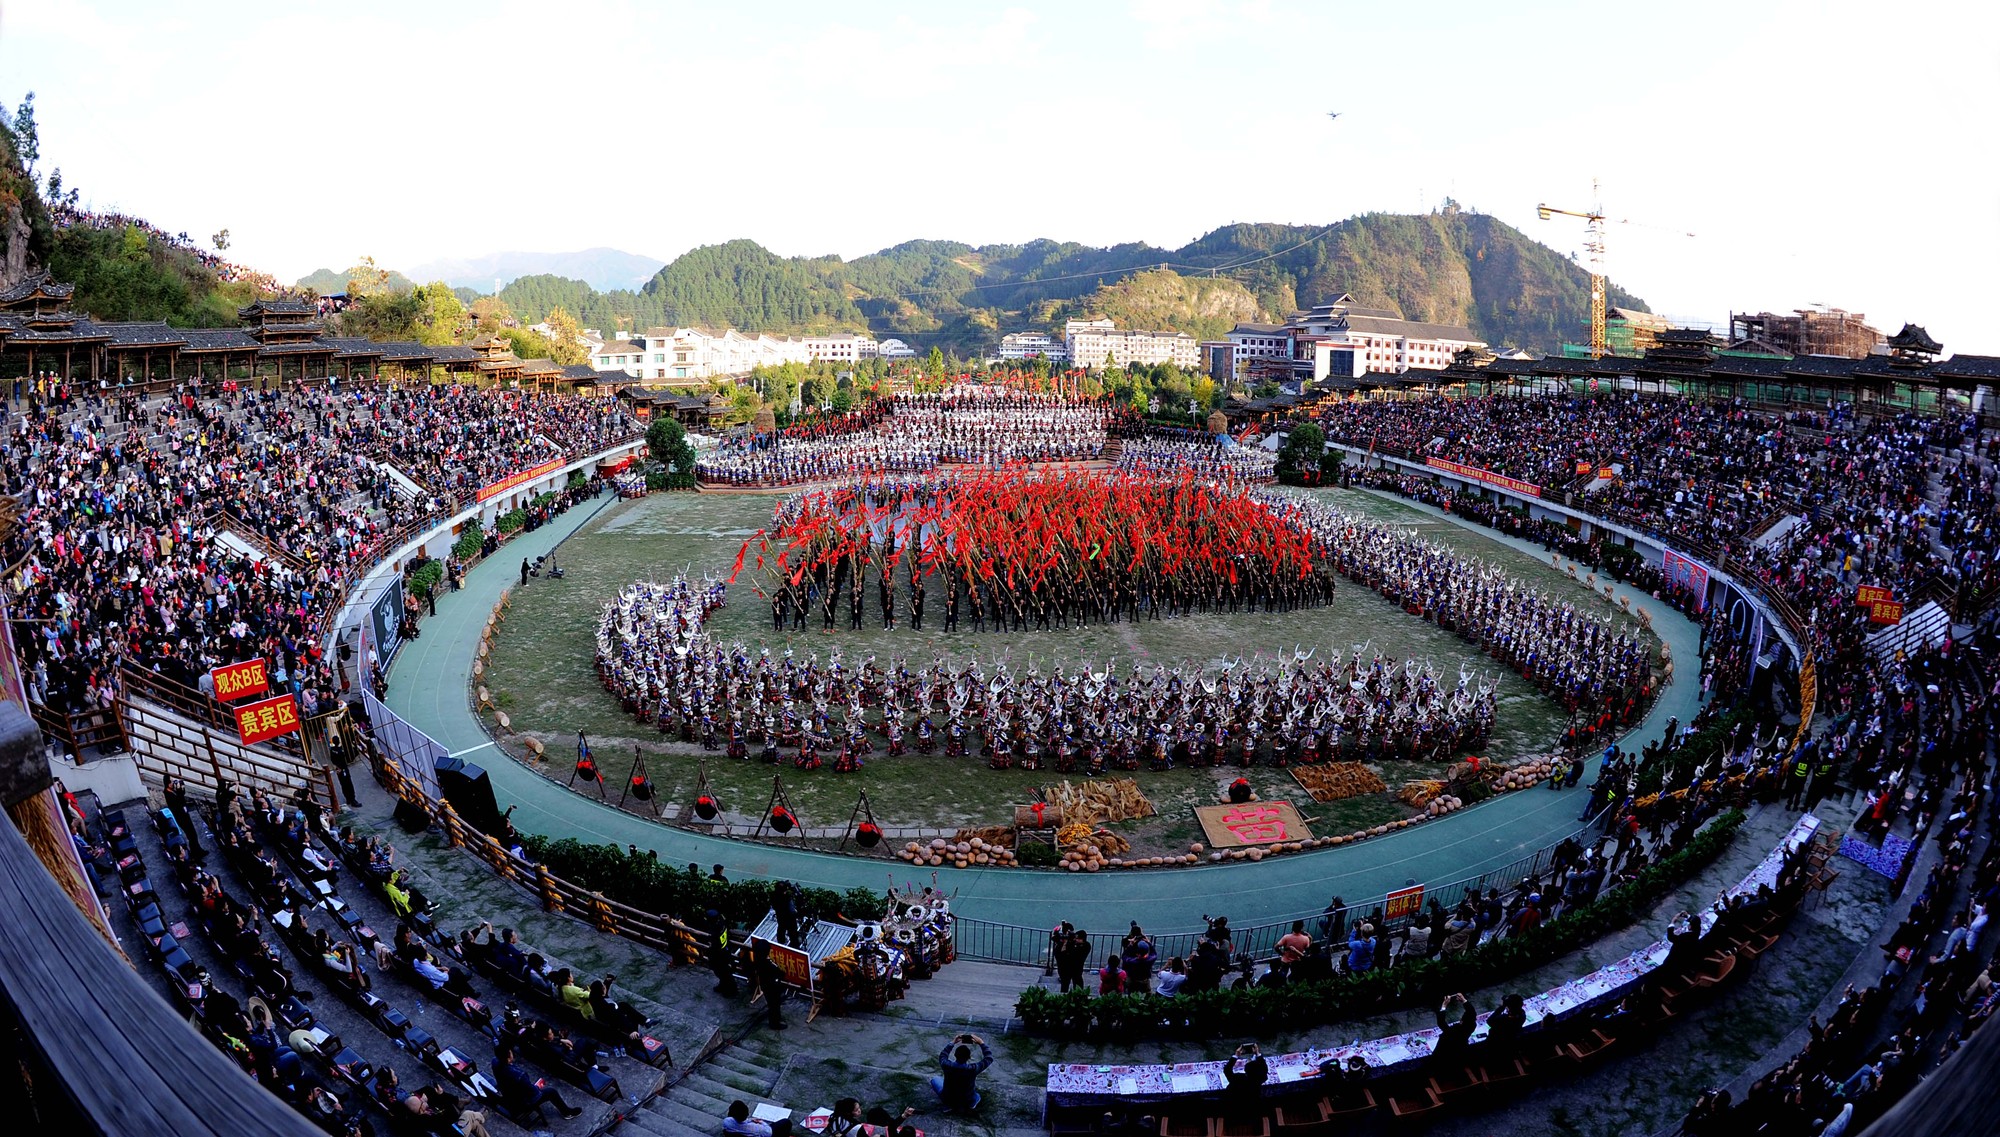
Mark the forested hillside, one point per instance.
(1451, 266)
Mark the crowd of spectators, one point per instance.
(178, 533)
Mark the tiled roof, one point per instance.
(37, 282)
(219, 339)
(77, 330)
(143, 333)
(309, 347)
(278, 306)
(353, 347)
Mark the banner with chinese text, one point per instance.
(240, 680)
(263, 721)
(516, 481)
(1489, 477)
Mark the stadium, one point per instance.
(418, 735)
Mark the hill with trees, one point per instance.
(1452, 266)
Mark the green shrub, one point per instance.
(1298, 1006)
(470, 540)
(425, 577)
(511, 521)
(577, 480)
(646, 883)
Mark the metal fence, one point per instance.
(1016, 943)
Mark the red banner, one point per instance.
(1403, 902)
(1872, 594)
(263, 721)
(1489, 477)
(239, 680)
(516, 481)
(794, 966)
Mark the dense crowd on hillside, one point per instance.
(120, 559)
(66, 216)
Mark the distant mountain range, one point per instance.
(603, 269)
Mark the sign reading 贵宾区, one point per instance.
(1251, 823)
(240, 680)
(265, 720)
(1403, 902)
(516, 481)
(1489, 477)
(1885, 612)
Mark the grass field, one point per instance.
(542, 674)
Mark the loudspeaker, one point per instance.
(411, 816)
(450, 763)
(470, 792)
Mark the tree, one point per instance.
(667, 441)
(1300, 458)
(27, 140)
(566, 337)
(493, 313)
(439, 314)
(220, 241)
(367, 279)
(934, 363)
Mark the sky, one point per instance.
(1820, 153)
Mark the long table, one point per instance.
(1081, 1084)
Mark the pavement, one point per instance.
(430, 687)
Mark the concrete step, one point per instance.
(651, 1123)
(755, 1081)
(682, 1117)
(710, 1096)
(750, 1064)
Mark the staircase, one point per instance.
(1113, 447)
(695, 1105)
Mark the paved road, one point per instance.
(430, 683)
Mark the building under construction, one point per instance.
(1807, 331)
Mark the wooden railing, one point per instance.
(681, 943)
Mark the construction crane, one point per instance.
(1594, 224)
(1593, 243)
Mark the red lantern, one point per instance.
(868, 834)
(781, 819)
(642, 787)
(705, 808)
(586, 768)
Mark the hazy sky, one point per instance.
(1822, 152)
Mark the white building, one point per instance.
(1016, 346)
(1259, 353)
(1089, 343)
(843, 347)
(621, 354)
(1348, 341)
(895, 349)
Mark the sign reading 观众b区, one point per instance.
(267, 719)
(1487, 476)
(1251, 823)
(516, 481)
(1403, 902)
(239, 680)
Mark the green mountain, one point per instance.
(1451, 266)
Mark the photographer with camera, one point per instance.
(958, 1087)
(1244, 1096)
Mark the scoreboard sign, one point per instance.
(240, 680)
(265, 720)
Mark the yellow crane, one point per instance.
(1593, 243)
(1594, 224)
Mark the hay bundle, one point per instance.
(1419, 793)
(1337, 780)
(1099, 801)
